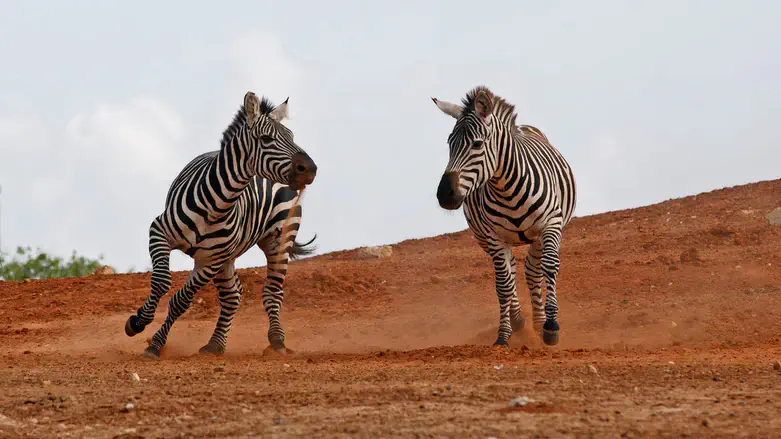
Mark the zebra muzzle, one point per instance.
(448, 193)
(302, 172)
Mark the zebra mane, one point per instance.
(240, 119)
(503, 110)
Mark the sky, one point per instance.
(103, 103)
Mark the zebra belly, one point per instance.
(515, 237)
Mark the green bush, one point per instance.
(29, 264)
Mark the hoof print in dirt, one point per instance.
(152, 352)
(212, 349)
(277, 352)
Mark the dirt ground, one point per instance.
(670, 318)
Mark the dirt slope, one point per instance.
(676, 305)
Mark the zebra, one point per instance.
(516, 189)
(220, 205)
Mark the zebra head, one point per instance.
(276, 155)
(473, 147)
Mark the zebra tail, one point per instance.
(298, 249)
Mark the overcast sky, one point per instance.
(103, 103)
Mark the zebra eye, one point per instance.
(477, 144)
(266, 139)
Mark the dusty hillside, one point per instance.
(398, 346)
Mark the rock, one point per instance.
(376, 252)
(103, 270)
(129, 406)
(774, 217)
(592, 370)
(690, 256)
(673, 324)
(706, 423)
(219, 369)
(777, 365)
(521, 401)
(499, 367)
(135, 378)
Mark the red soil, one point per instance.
(676, 306)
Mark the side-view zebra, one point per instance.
(516, 189)
(219, 206)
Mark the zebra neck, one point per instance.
(227, 177)
(510, 168)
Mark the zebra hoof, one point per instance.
(133, 327)
(517, 323)
(550, 333)
(152, 352)
(500, 343)
(212, 349)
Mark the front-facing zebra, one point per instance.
(219, 206)
(516, 189)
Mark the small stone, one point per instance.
(499, 367)
(671, 362)
(104, 270)
(376, 252)
(673, 324)
(128, 407)
(219, 369)
(716, 378)
(706, 423)
(245, 410)
(286, 365)
(46, 382)
(135, 378)
(592, 370)
(747, 212)
(777, 365)
(521, 401)
(199, 300)
(774, 217)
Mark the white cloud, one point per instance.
(96, 183)
(140, 139)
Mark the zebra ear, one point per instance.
(280, 113)
(251, 107)
(448, 108)
(484, 104)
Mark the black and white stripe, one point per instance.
(219, 206)
(516, 189)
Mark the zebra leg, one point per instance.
(551, 238)
(230, 291)
(517, 322)
(160, 251)
(178, 305)
(534, 283)
(274, 294)
(505, 290)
